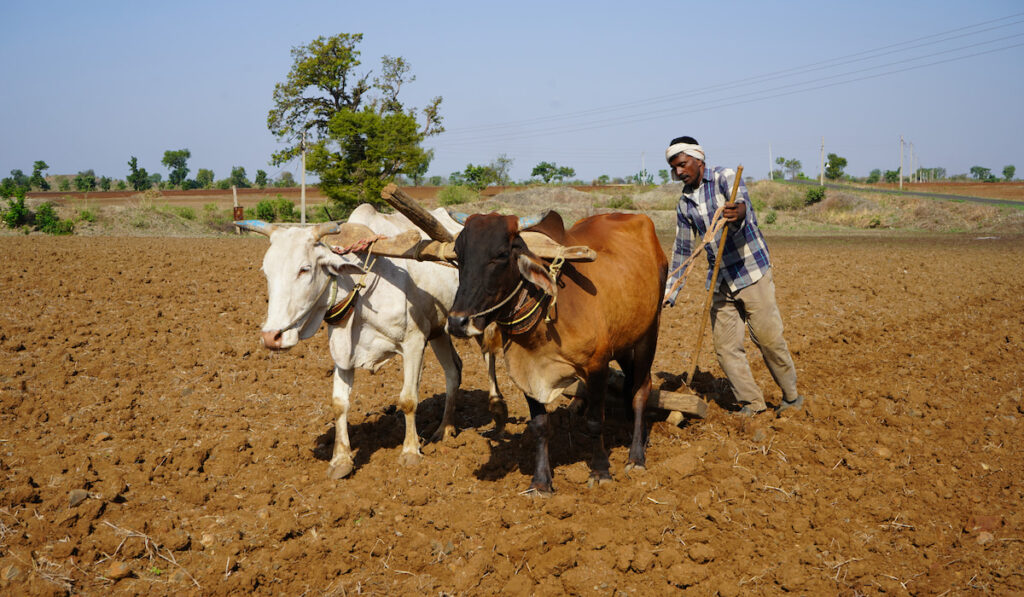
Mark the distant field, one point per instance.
(991, 190)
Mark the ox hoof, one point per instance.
(410, 459)
(540, 490)
(339, 470)
(598, 479)
(443, 434)
(639, 466)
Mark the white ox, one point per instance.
(402, 305)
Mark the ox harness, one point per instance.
(340, 310)
(527, 308)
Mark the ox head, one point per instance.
(299, 269)
(492, 259)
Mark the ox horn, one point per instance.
(264, 228)
(323, 229)
(527, 221)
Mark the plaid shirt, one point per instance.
(745, 259)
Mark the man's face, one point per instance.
(687, 168)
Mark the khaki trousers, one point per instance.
(755, 307)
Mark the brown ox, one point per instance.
(556, 330)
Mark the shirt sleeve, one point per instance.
(681, 250)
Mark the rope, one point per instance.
(553, 271)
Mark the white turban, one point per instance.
(690, 149)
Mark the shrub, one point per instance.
(455, 195)
(814, 195)
(769, 218)
(276, 210)
(87, 215)
(620, 202)
(16, 213)
(48, 221)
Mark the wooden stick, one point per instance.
(408, 206)
(690, 404)
(714, 280)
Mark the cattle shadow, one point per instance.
(569, 444)
(385, 429)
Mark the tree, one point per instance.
(421, 169)
(38, 180)
(501, 166)
(85, 181)
(105, 183)
(478, 177)
(238, 178)
(261, 179)
(204, 178)
(603, 179)
(834, 167)
(138, 178)
(874, 177)
(1008, 172)
(285, 179)
(793, 167)
(356, 142)
(663, 175)
(549, 171)
(176, 163)
(892, 176)
(981, 173)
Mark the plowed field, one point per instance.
(149, 445)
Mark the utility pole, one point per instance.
(821, 177)
(302, 193)
(913, 165)
(771, 173)
(901, 162)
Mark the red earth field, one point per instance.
(149, 445)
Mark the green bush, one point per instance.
(455, 195)
(814, 195)
(48, 221)
(770, 217)
(16, 213)
(276, 210)
(87, 215)
(620, 202)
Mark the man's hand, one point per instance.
(735, 213)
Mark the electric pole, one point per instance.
(901, 162)
(302, 193)
(821, 177)
(771, 173)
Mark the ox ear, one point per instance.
(535, 272)
(338, 265)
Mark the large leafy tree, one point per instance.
(981, 173)
(1008, 172)
(138, 178)
(834, 167)
(550, 171)
(38, 180)
(176, 162)
(359, 136)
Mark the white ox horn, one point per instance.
(264, 228)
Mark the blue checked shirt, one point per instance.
(745, 258)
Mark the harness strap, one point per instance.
(339, 312)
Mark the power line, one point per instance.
(785, 73)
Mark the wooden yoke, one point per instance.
(408, 206)
(443, 248)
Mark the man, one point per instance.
(745, 292)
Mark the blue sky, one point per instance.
(598, 86)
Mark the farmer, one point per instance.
(745, 292)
